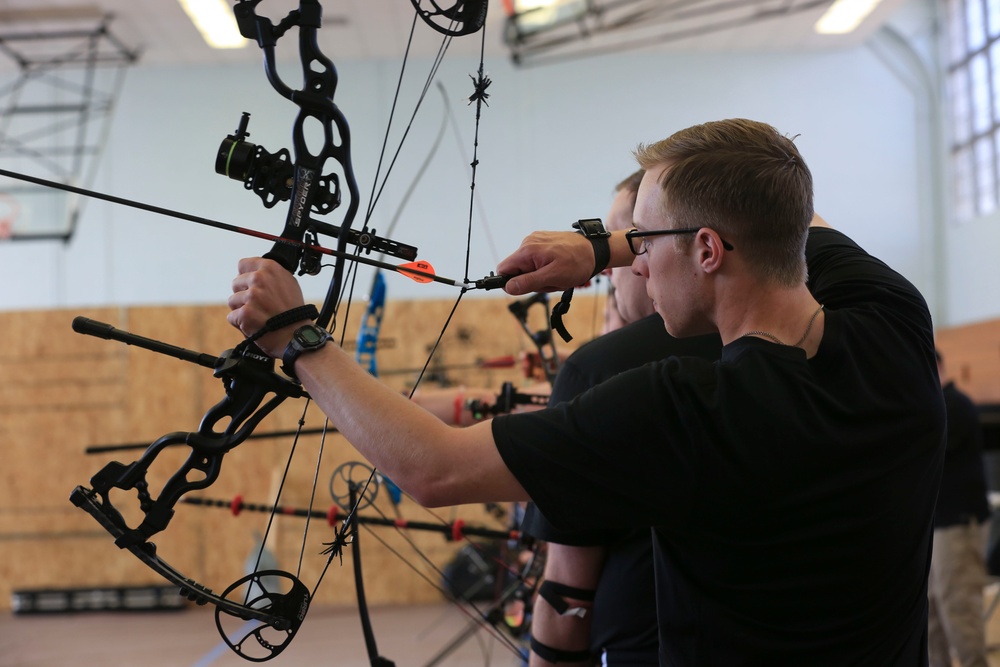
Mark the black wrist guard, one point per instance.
(593, 230)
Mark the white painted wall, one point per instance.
(553, 142)
(972, 255)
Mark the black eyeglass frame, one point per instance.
(635, 233)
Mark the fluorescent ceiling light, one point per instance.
(216, 23)
(527, 5)
(843, 16)
(533, 15)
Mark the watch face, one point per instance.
(310, 336)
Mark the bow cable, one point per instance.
(479, 97)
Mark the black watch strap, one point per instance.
(593, 230)
(307, 338)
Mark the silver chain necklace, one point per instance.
(777, 340)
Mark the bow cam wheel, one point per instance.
(355, 476)
(275, 592)
(452, 17)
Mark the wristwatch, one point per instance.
(307, 338)
(593, 230)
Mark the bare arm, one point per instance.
(818, 221)
(579, 567)
(451, 405)
(435, 463)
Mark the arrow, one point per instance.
(412, 270)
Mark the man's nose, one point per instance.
(640, 267)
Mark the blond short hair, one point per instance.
(746, 181)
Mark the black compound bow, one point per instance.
(274, 601)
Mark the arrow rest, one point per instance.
(311, 260)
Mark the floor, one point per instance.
(409, 636)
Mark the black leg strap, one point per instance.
(557, 655)
(555, 594)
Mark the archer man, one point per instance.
(790, 485)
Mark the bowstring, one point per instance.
(312, 495)
(481, 617)
(476, 614)
(272, 513)
(347, 288)
(331, 327)
(377, 190)
(485, 226)
(480, 99)
(281, 487)
(340, 539)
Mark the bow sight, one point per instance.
(271, 177)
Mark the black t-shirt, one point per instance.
(963, 484)
(791, 498)
(624, 617)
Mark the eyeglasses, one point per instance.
(640, 248)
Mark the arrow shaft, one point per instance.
(208, 222)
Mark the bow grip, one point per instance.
(286, 254)
(288, 249)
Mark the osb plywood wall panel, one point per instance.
(62, 392)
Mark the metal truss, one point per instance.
(57, 93)
(574, 29)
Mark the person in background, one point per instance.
(958, 571)
(597, 600)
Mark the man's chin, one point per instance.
(670, 326)
(678, 329)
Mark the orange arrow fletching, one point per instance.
(419, 271)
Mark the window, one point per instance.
(973, 88)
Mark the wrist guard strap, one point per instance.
(555, 594)
(282, 320)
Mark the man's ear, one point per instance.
(710, 250)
